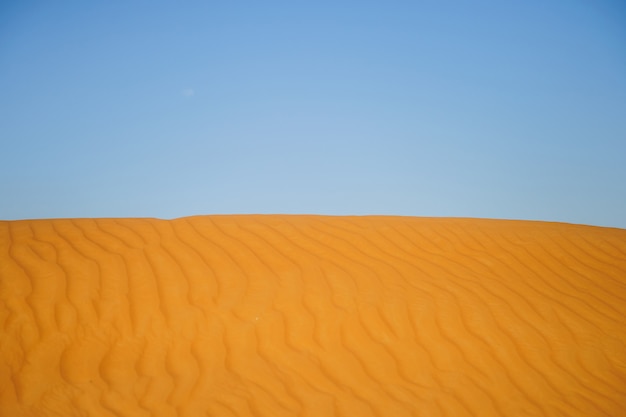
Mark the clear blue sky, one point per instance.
(498, 109)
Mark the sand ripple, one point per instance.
(311, 316)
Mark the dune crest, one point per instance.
(311, 316)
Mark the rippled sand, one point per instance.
(311, 316)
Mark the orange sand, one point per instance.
(311, 316)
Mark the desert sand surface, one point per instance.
(311, 316)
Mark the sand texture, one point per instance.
(311, 316)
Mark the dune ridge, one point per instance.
(280, 315)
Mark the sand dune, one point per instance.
(311, 316)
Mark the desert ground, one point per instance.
(279, 315)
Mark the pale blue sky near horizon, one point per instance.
(485, 108)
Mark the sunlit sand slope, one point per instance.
(311, 316)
